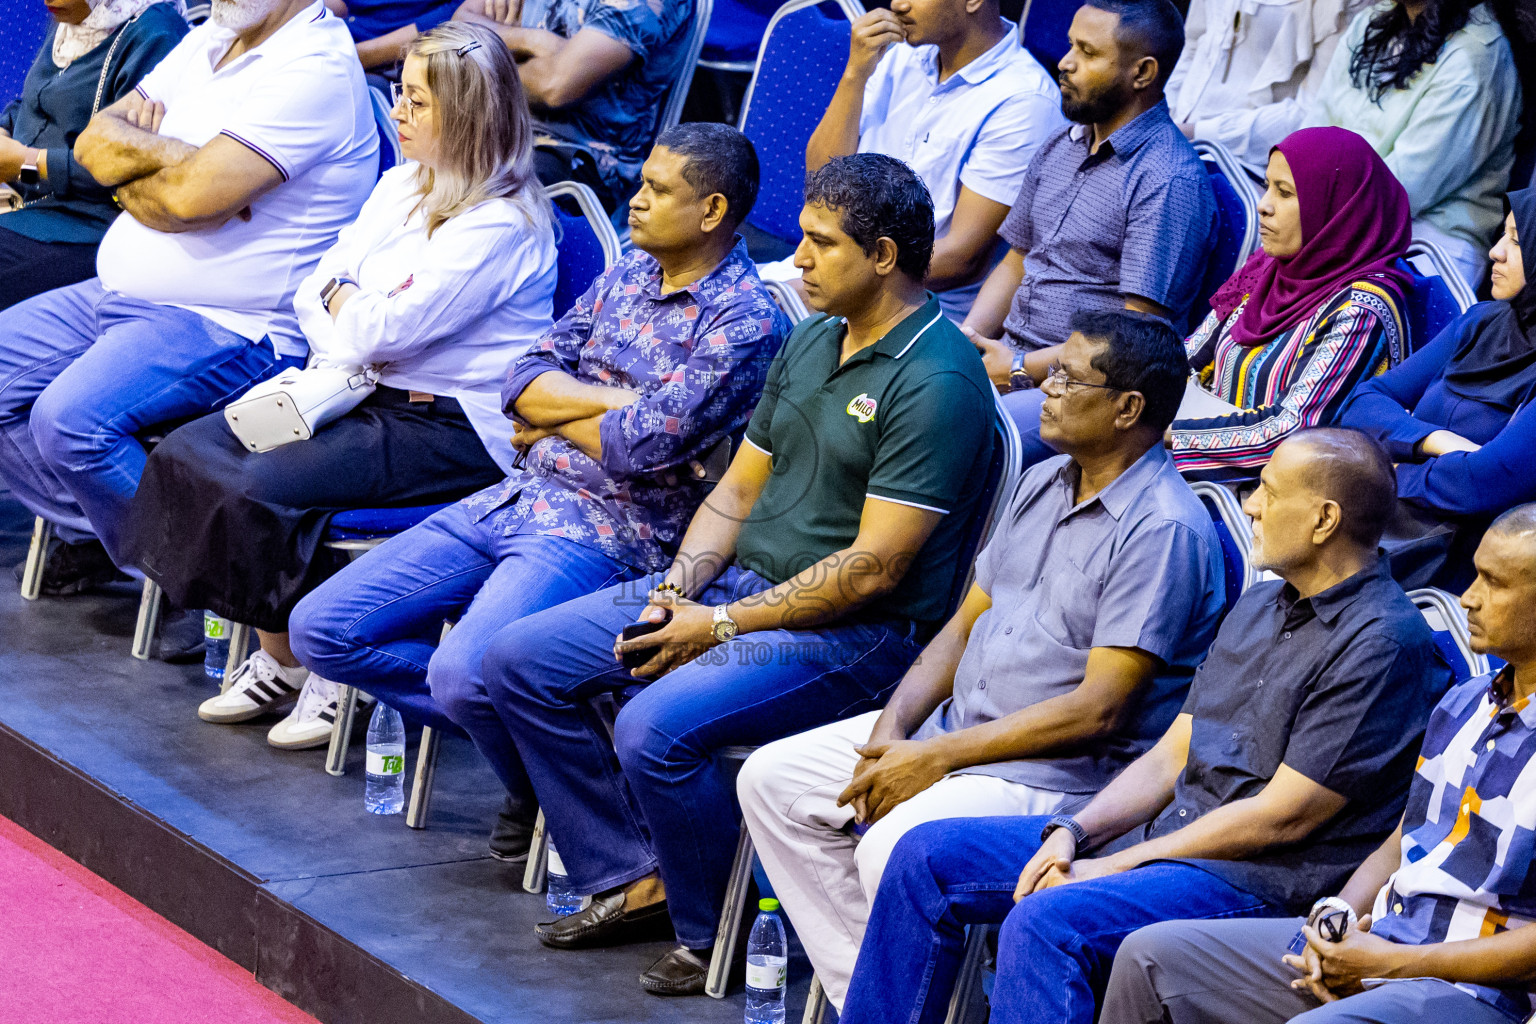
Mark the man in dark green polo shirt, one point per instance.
(803, 589)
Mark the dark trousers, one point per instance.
(29, 267)
(1055, 948)
(656, 798)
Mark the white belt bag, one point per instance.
(296, 403)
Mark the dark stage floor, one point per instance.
(260, 853)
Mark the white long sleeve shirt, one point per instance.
(445, 315)
(1250, 66)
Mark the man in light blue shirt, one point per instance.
(946, 88)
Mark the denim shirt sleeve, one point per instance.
(704, 398)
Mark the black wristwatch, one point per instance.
(330, 288)
(28, 174)
(1066, 821)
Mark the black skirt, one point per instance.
(239, 532)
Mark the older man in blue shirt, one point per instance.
(1094, 600)
(662, 357)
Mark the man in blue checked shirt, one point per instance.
(1436, 916)
(661, 359)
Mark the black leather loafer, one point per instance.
(604, 923)
(679, 973)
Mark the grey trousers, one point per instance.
(1230, 972)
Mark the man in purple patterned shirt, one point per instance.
(661, 360)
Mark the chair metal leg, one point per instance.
(537, 871)
(968, 981)
(731, 918)
(815, 1003)
(239, 650)
(37, 556)
(421, 786)
(147, 630)
(341, 731)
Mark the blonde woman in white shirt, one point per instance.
(446, 277)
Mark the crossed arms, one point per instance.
(165, 183)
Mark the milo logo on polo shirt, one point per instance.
(862, 408)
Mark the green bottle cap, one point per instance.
(769, 905)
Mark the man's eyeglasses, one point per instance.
(397, 93)
(1059, 378)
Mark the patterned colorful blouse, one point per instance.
(698, 356)
(1299, 379)
(1468, 832)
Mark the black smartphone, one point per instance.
(634, 659)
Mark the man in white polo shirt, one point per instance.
(236, 162)
(945, 87)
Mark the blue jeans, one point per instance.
(1055, 948)
(82, 370)
(656, 798)
(375, 625)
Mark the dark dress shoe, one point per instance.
(73, 569)
(604, 923)
(681, 972)
(512, 835)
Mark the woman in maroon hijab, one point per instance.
(1315, 312)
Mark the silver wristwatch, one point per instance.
(725, 626)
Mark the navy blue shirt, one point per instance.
(1136, 218)
(1338, 687)
(54, 108)
(369, 19)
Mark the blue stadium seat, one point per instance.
(736, 30)
(1045, 30)
(587, 244)
(801, 59)
(389, 136)
(1434, 299)
(1237, 226)
(1234, 531)
(25, 28)
(1449, 623)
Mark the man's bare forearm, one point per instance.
(555, 397)
(115, 152)
(926, 685)
(1138, 794)
(1361, 889)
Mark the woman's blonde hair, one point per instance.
(484, 129)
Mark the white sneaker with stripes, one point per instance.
(310, 722)
(258, 686)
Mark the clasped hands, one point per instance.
(889, 773)
(1056, 863)
(1333, 970)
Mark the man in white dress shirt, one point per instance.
(945, 87)
(236, 161)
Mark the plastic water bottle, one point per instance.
(767, 966)
(562, 899)
(215, 646)
(386, 762)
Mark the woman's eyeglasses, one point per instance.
(403, 102)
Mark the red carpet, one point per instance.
(75, 950)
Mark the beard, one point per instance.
(239, 15)
(1095, 107)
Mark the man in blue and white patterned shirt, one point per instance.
(1439, 911)
(661, 359)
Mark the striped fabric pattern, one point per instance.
(1469, 831)
(1299, 379)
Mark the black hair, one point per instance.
(1150, 28)
(1395, 48)
(716, 158)
(1353, 469)
(1141, 353)
(878, 196)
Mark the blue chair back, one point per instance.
(1045, 30)
(1234, 565)
(736, 30)
(26, 25)
(1428, 306)
(1003, 474)
(798, 68)
(389, 138)
(1448, 623)
(1236, 226)
(587, 243)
